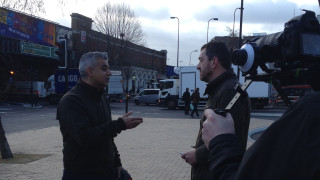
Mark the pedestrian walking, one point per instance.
(195, 97)
(187, 100)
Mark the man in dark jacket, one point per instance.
(195, 97)
(215, 68)
(288, 149)
(89, 151)
(187, 100)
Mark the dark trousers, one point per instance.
(195, 109)
(107, 175)
(187, 107)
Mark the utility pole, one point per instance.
(240, 35)
(126, 72)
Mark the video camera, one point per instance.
(288, 54)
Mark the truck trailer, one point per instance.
(115, 88)
(172, 89)
(260, 93)
(28, 90)
(57, 85)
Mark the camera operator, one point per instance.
(288, 149)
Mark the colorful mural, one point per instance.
(24, 27)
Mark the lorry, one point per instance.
(115, 88)
(172, 89)
(56, 85)
(294, 92)
(28, 90)
(261, 94)
(264, 94)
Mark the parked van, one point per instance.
(148, 96)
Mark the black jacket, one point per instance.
(186, 97)
(288, 149)
(88, 131)
(220, 92)
(195, 97)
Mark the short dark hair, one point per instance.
(220, 50)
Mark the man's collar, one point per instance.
(214, 83)
(91, 88)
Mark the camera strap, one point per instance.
(240, 91)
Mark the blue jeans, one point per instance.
(195, 109)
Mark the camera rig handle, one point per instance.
(240, 91)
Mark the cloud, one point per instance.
(258, 16)
(64, 22)
(269, 12)
(254, 12)
(157, 14)
(168, 41)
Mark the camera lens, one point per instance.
(239, 57)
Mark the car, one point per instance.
(148, 96)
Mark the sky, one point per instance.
(259, 16)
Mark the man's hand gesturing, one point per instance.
(131, 122)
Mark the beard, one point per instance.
(204, 78)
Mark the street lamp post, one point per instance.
(215, 19)
(234, 19)
(190, 56)
(126, 72)
(178, 40)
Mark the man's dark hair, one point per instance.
(220, 50)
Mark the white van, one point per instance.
(24, 88)
(148, 96)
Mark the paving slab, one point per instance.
(150, 151)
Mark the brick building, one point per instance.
(140, 65)
(27, 50)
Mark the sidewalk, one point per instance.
(151, 151)
(22, 104)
